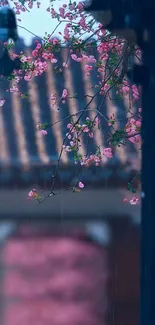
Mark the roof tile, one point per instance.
(24, 148)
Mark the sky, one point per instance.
(39, 21)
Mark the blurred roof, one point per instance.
(27, 157)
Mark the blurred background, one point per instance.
(73, 259)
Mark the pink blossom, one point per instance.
(85, 128)
(44, 132)
(135, 92)
(80, 6)
(100, 69)
(81, 185)
(69, 125)
(104, 56)
(89, 58)
(97, 121)
(106, 87)
(66, 32)
(75, 58)
(55, 41)
(138, 123)
(134, 201)
(88, 67)
(90, 160)
(23, 59)
(66, 148)
(62, 12)
(64, 93)
(27, 77)
(31, 193)
(82, 23)
(72, 6)
(2, 101)
(14, 89)
(91, 135)
(135, 139)
(35, 53)
(107, 152)
(65, 65)
(54, 60)
(125, 90)
(72, 143)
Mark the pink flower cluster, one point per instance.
(126, 90)
(91, 160)
(114, 45)
(76, 131)
(33, 194)
(133, 128)
(19, 8)
(133, 201)
(70, 12)
(55, 99)
(43, 132)
(83, 57)
(74, 135)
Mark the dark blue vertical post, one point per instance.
(147, 294)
